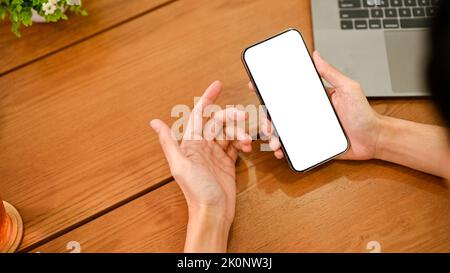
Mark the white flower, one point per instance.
(49, 7)
(54, 2)
(74, 2)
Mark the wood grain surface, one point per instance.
(81, 164)
(75, 138)
(341, 207)
(43, 39)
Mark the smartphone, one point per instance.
(289, 86)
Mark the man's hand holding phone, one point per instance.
(373, 136)
(361, 123)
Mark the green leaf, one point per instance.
(3, 12)
(20, 13)
(15, 29)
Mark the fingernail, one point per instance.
(154, 126)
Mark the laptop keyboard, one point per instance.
(386, 14)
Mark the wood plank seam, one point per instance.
(137, 16)
(97, 215)
(122, 203)
(240, 168)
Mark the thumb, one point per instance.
(329, 73)
(169, 144)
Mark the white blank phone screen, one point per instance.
(295, 99)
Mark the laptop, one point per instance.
(382, 44)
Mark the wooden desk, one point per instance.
(81, 164)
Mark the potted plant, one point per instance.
(25, 12)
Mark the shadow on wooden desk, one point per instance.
(81, 163)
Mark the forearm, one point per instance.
(206, 232)
(419, 146)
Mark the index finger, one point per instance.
(195, 124)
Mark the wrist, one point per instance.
(207, 230)
(214, 217)
(385, 133)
